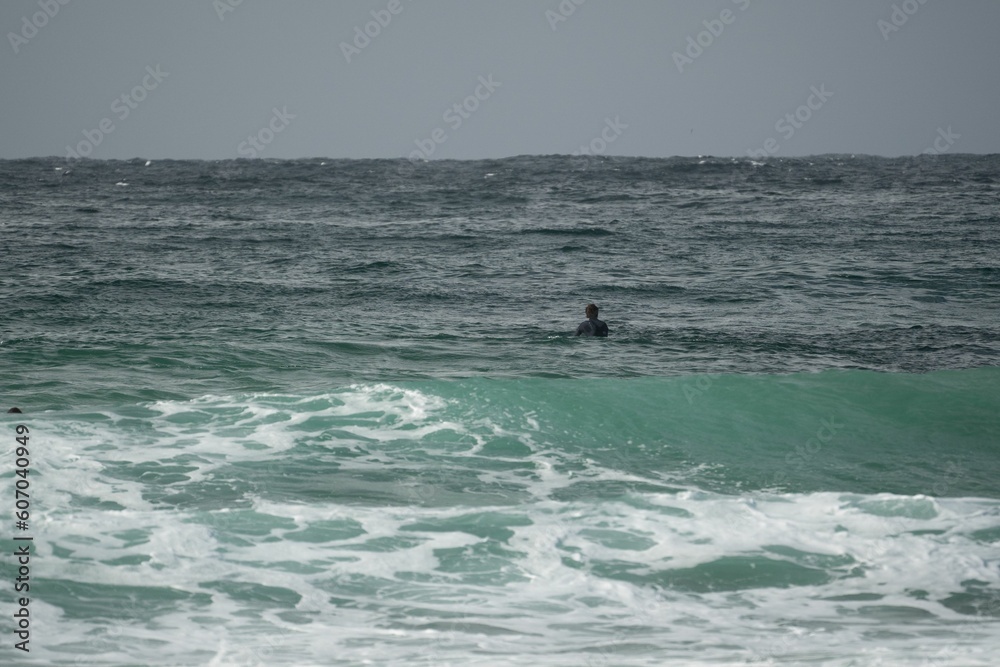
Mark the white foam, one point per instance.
(585, 581)
(543, 606)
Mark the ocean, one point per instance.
(332, 412)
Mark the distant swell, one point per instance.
(569, 231)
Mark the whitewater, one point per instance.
(332, 412)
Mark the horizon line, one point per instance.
(499, 159)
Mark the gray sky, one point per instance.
(199, 78)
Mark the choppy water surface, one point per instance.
(331, 413)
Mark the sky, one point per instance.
(469, 79)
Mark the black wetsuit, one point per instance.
(592, 327)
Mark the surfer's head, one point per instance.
(15, 411)
(591, 311)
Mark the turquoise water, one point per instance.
(330, 413)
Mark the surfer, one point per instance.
(14, 411)
(593, 326)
